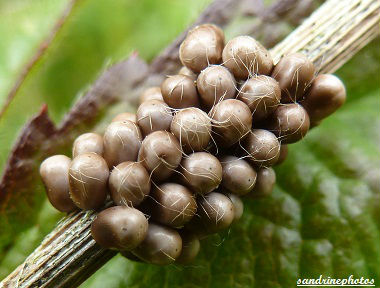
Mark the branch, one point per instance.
(65, 258)
(334, 33)
(330, 37)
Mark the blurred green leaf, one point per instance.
(23, 25)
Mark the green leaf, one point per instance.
(23, 25)
(322, 218)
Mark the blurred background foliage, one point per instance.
(99, 33)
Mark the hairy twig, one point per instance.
(330, 37)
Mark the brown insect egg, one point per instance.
(202, 46)
(262, 94)
(152, 93)
(290, 122)
(326, 95)
(125, 116)
(54, 172)
(201, 171)
(238, 176)
(88, 177)
(262, 147)
(161, 246)
(187, 72)
(190, 247)
(121, 228)
(283, 154)
(192, 127)
(160, 154)
(216, 212)
(122, 141)
(172, 204)
(294, 73)
(154, 115)
(238, 205)
(266, 178)
(129, 184)
(215, 83)
(87, 143)
(179, 91)
(245, 57)
(231, 120)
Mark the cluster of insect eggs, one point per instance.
(177, 169)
